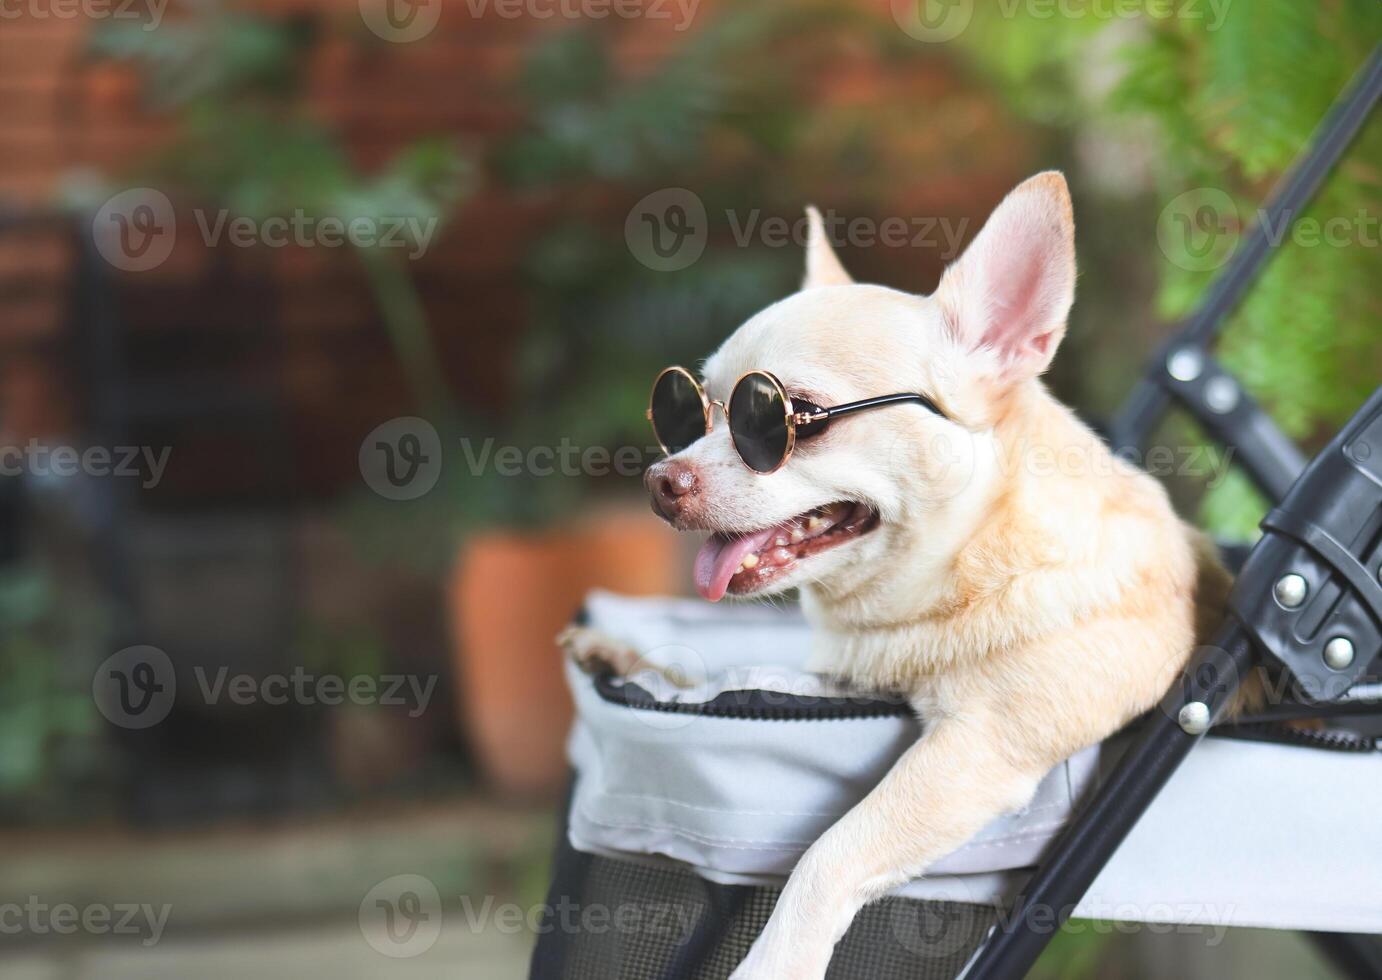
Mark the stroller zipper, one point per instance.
(1281, 734)
(754, 705)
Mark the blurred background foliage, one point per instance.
(1138, 110)
(1224, 98)
(1230, 100)
(246, 140)
(762, 107)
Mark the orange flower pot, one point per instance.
(510, 594)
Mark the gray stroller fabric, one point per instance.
(735, 797)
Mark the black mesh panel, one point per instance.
(619, 920)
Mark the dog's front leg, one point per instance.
(942, 791)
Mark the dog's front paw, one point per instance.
(596, 652)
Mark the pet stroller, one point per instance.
(688, 808)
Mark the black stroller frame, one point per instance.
(1306, 606)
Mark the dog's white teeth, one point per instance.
(781, 542)
(814, 523)
(749, 561)
(798, 536)
(780, 556)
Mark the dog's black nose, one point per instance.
(669, 483)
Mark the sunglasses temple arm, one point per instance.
(879, 402)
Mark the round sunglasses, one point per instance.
(764, 422)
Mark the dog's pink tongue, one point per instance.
(719, 559)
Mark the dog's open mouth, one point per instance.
(744, 563)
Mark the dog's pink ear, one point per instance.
(822, 267)
(1011, 290)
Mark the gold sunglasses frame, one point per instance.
(793, 417)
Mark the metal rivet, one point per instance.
(1291, 590)
(1221, 395)
(1194, 718)
(1185, 364)
(1338, 652)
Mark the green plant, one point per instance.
(1231, 98)
(1235, 107)
(47, 717)
(344, 650)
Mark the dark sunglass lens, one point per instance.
(758, 422)
(678, 413)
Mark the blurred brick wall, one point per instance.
(301, 321)
(60, 115)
